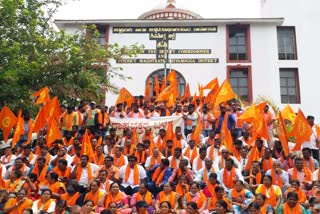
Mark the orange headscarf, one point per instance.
(135, 174)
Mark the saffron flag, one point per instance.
(283, 135)
(301, 131)
(171, 101)
(165, 94)
(226, 138)
(196, 134)
(253, 156)
(41, 119)
(53, 110)
(169, 131)
(172, 77)
(19, 130)
(54, 133)
(124, 96)
(211, 96)
(186, 93)
(288, 114)
(163, 84)
(212, 84)
(147, 90)
(156, 87)
(225, 93)
(43, 95)
(86, 148)
(200, 88)
(7, 121)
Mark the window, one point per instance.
(289, 85)
(102, 36)
(238, 43)
(240, 80)
(287, 43)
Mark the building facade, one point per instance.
(271, 56)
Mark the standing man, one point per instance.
(101, 120)
(313, 144)
(269, 118)
(68, 119)
(88, 120)
(190, 119)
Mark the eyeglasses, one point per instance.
(108, 161)
(132, 160)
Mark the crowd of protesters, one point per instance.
(157, 173)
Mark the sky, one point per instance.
(132, 9)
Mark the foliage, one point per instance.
(33, 55)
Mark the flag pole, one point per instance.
(165, 66)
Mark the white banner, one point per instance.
(156, 123)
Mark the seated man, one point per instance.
(160, 175)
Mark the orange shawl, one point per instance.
(205, 173)
(258, 177)
(118, 162)
(288, 210)
(266, 166)
(236, 153)
(174, 161)
(55, 188)
(12, 186)
(95, 197)
(199, 164)
(128, 151)
(158, 175)
(13, 201)
(141, 157)
(153, 161)
(147, 197)
(136, 174)
(44, 206)
(70, 199)
(171, 197)
(161, 142)
(182, 191)
(110, 198)
(193, 155)
(274, 180)
(99, 160)
(272, 200)
(235, 194)
(211, 189)
(61, 173)
(311, 164)
(200, 202)
(211, 152)
(229, 180)
(306, 172)
(42, 175)
(79, 172)
(301, 195)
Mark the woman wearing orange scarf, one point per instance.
(87, 207)
(167, 195)
(142, 195)
(118, 197)
(18, 204)
(196, 196)
(291, 206)
(240, 197)
(263, 206)
(45, 203)
(182, 187)
(295, 187)
(272, 192)
(72, 194)
(95, 194)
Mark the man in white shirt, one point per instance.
(207, 120)
(203, 174)
(131, 175)
(313, 144)
(18, 164)
(219, 162)
(199, 162)
(281, 176)
(62, 154)
(227, 173)
(243, 157)
(8, 158)
(81, 171)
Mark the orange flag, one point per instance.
(125, 96)
(86, 148)
(212, 84)
(41, 119)
(156, 86)
(147, 90)
(283, 135)
(186, 93)
(163, 84)
(19, 130)
(194, 100)
(226, 138)
(200, 87)
(165, 94)
(43, 95)
(225, 93)
(288, 114)
(172, 77)
(317, 130)
(7, 121)
(53, 110)
(253, 156)
(301, 131)
(171, 101)
(196, 135)
(169, 131)
(211, 96)
(54, 133)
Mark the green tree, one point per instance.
(33, 55)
